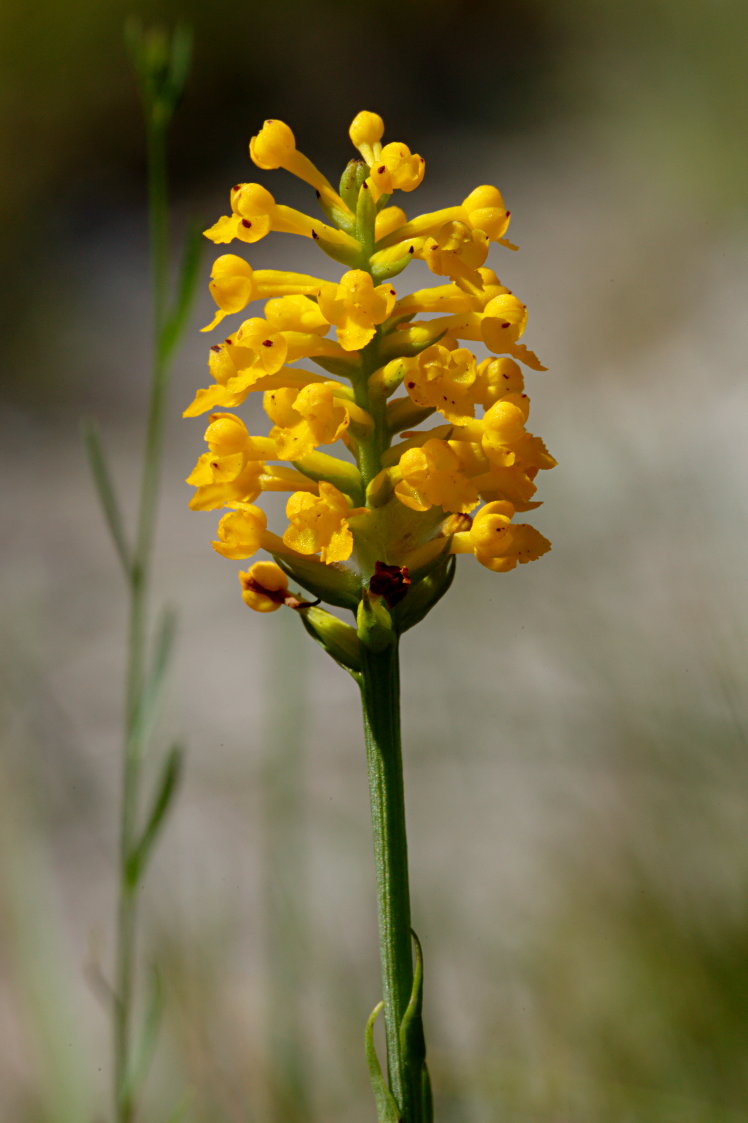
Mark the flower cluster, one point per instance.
(388, 510)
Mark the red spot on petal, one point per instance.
(315, 235)
(246, 223)
(267, 343)
(381, 170)
(216, 347)
(506, 324)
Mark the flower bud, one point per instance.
(273, 146)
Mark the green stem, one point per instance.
(380, 694)
(139, 585)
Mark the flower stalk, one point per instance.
(377, 531)
(380, 700)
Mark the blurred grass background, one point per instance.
(576, 732)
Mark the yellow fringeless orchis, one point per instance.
(385, 516)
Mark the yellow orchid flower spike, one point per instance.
(400, 450)
(367, 343)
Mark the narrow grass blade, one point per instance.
(105, 490)
(188, 276)
(164, 794)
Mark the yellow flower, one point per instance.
(366, 132)
(275, 147)
(499, 325)
(456, 251)
(495, 378)
(355, 307)
(497, 544)
(305, 418)
(241, 532)
(397, 169)
(232, 468)
(485, 210)
(296, 313)
(319, 524)
(482, 210)
(433, 476)
(264, 587)
(254, 213)
(234, 283)
(500, 430)
(393, 167)
(443, 380)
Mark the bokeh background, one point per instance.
(577, 779)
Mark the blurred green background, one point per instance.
(577, 778)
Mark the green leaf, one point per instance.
(186, 287)
(106, 493)
(413, 1042)
(387, 1109)
(146, 709)
(163, 798)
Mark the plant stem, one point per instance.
(380, 694)
(139, 586)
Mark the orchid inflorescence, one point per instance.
(382, 520)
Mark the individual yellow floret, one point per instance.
(305, 419)
(319, 524)
(231, 470)
(443, 380)
(397, 169)
(234, 284)
(264, 587)
(366, 132)
(433, 476)
(496, 543)
(355, 307)
(242, 532)
(275, 147)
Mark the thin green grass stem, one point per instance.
(139, 588)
